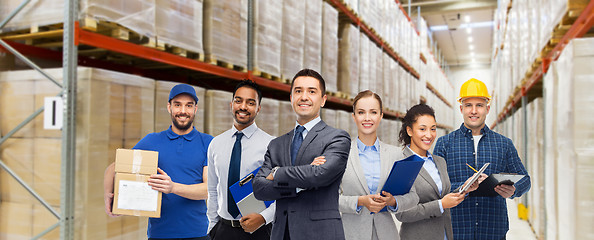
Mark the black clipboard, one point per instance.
(487, 187)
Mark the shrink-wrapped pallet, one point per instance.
(292, 38)
(111, 109)
(364, 63)
(348, 59)
(286, 119)
(391, 84)
(329, 117)
(225, 31)
(372, 66)
(137, 15)
(378, 81)
(535, 166)
(312, 45)
(218, 112)
(403, 88)
(267, 119)
(575, 141)
(179, 23)
(343, 120)
(330, 47)
(162, 116)
(267, 36)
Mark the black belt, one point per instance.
(232, 223)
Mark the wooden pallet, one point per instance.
(212, 59)
(266, 75)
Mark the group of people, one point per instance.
(324, 184)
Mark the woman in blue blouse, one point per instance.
(369, 164)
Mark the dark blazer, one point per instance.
(425, 221)
(312, 213)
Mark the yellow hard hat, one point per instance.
(474, 88)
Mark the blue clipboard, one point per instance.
(243, 195)
(403, 175)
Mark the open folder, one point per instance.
(243, 194)
(487, 187)
(403, 175)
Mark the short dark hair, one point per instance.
(306, 72)
(411, 117)
(367, 93)
(250, 84)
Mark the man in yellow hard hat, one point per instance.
(480, 216)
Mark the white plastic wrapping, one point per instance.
(179, 23)
(225, 31)
(267, 36)
(330, 47)
(312, 45)
(292, 38)
(287, 118)
(267, 119)
(364, 63)
(329, 117)
(348, 59)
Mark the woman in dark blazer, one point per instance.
(430, 219)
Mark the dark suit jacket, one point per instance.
(312, 213)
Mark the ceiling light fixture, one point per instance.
(470, 39)
(468, 30)
(467, 18)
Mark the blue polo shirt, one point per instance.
(183, 158)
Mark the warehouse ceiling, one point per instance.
(463, 29)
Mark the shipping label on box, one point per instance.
(132, 194)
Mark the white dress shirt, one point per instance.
(254, 144)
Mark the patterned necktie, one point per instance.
(297, 140)
(233, 177)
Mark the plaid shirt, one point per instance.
(480, 217)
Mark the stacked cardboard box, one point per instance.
(225, 31)
(218, 112)
(113, 111)
(267, 119)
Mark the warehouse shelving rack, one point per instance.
(531, 86)
(74, 36)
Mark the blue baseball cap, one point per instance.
(183, 89)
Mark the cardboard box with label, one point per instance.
(132, 194)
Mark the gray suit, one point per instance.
(312, 213)
(363, 224)
(425, 221)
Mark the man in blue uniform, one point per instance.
(182, 172)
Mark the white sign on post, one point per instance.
(53, 113)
